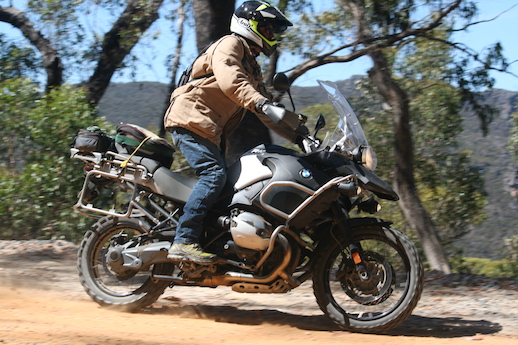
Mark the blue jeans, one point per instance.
(209, 164)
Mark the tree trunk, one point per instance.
(119, 41)
(404, 182)
(212, 19)
(51, 60)
(174, 66)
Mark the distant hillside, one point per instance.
(500, 175)
(138, 103)
(143, 104)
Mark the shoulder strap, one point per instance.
(186, 75)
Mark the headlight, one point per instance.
(369, 159)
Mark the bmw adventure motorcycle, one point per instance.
(284, 217)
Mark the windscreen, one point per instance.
(348, 134)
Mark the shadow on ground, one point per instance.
(415, 325)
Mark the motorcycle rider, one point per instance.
(225, 83)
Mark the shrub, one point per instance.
(38, 181)
(487, 267)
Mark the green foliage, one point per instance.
(58, 21)
(511, 247)
(315, 32)
(38, 181)
(500, 268)
(452, 190)
(389, 16)
(454, 195)
(16, 61)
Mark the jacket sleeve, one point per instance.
(234, 81)
(232, 77)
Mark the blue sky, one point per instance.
(153, 68)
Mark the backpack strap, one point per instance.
(186, 75)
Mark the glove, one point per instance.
(299, 140)
(302, 130)
(259, 106)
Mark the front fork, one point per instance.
(355, 248)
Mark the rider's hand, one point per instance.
(299, 140)
(302, 130)
(260, 106)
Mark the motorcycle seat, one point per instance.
(166, 182)
(150, 164)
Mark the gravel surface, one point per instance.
(466, 304)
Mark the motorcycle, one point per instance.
(284, 217)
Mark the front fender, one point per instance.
(328, 234)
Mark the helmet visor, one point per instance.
(280, 29)
(270, 32)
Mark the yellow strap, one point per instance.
(123, 164)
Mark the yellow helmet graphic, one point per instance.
(261, 23)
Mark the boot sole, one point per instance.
(187, 257)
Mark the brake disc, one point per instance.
(376, 288)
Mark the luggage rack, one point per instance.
(110, 169)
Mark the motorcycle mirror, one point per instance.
(282, 83)
(321, 123)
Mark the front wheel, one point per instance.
(375, 302)
(129, 290)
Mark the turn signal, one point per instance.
(369, 159)
(349, 188)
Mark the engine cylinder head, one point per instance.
(251, 231)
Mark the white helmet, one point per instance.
(261, 23)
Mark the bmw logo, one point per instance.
(305, 173)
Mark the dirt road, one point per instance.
(42, 302)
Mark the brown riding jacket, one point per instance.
(213, 106)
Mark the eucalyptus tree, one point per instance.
(378, 29)
(54, 28)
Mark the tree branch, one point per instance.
(475, 56)
(119, 41)
(51, 60)
(373, 44)
(175, 65)
(483, 21)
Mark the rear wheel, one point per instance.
(129, 290)
(375, 302)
